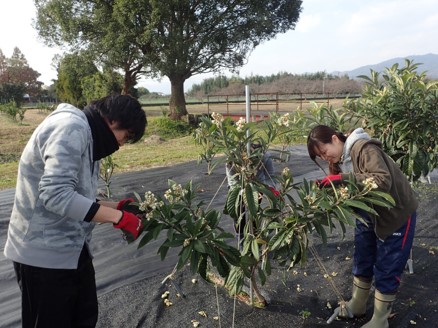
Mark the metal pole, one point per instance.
(248, 149)
(248, 113)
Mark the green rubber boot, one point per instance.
(382, 310)
(359, 297)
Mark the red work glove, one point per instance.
(274, 191)
(336, 179)
(129, 205)
(124, 202)
(130, 224)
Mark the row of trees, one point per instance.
(17, 78)
(177, 39)
(319, 82)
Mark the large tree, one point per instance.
(173, 38)
(93, 26)
(17, 77)
(72, 71)
(191, 37)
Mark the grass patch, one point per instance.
(178, 146)
(8, 175)
(137, 157)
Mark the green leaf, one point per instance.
(379, 203)
(383, 195)
(173, 243)
(358, 204)
(146, 239)
(199, 246)
(251, 199)
(232, 204)
(255, 249)
(157, 230)
(262, 276)
(184, 256)
(223, 267)
(277, 240)
(234, 281)
(232, 255)
(266, 265)
(163, 251)
(202, 269)
(271, 212)
(194, 262)
(321, 231)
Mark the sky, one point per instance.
(331, 35)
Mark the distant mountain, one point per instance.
(429, 64)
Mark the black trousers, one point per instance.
(58, 297)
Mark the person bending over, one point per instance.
(55, 209)
(383, 242)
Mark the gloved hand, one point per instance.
(127, 205)
(336, 179)
(274, 191)
(130, 224)
(124, 202)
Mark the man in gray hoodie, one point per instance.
(55, 209)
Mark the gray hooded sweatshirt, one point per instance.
(56, 186)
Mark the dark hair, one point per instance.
(322, 134)
(126, 111)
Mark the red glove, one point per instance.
(336, 179)
(130, 225)
(124, 202)
(274, 191)
(129, 205)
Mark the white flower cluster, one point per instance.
(343, 192)
(240, 124)
(217, 119)
(310, 199)
(286, 172)
(175, 193)
(149, 204)
(284, 120)
(370, 183)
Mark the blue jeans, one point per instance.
(383, 259)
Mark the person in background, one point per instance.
(55, 209)
(265, 175)
(382, 243)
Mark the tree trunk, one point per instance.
(177, 103)
(129, 82)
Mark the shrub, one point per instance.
(401, 109)
(167, 128)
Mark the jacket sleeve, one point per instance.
(62, 147)
(371, 163)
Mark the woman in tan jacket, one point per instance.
(383, 244)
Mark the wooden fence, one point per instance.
(271, 102)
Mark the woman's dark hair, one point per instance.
(322, 134)
(126, 111)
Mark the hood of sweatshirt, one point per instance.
(346, 163)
